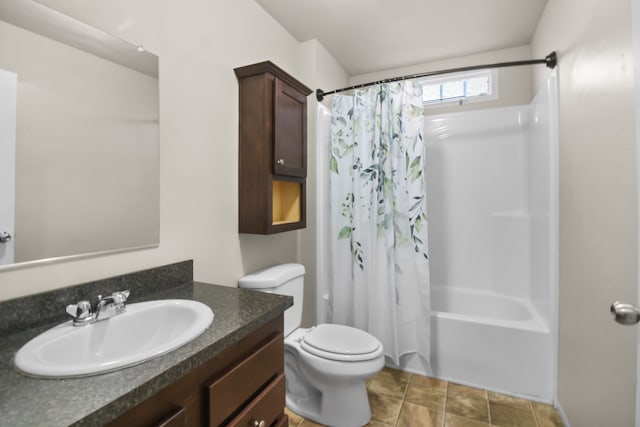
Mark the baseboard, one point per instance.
(563, 416)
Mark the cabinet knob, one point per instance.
(260, 423)
(280, 161)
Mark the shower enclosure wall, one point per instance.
(492, 208)
(492, 189)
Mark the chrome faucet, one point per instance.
(83, 313)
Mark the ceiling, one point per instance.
(373, 35)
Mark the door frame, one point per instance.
(635, 33)
(8, 114)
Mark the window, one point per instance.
(473, 86)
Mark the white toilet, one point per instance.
(326, 366)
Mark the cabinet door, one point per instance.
(290, 131)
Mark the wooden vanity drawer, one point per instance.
(267, 406)
(178, 418)
(230, 391)
(283, 421)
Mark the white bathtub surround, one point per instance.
(379, 279)
(492, 188)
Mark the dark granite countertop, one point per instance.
(96, 400)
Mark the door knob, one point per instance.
(5, 237)
(625, 314)
(280, 161)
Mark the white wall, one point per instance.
(87, 152)
(514, 83)
(323, 241)
(598, 231)
(199, 44)
(326, 72)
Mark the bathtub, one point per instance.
(491, 341)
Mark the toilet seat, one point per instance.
(341, 343)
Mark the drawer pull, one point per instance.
(257, 423)
(280, 161)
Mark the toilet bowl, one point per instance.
(326, 366)
(327, 383)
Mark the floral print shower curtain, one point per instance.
(379, 252)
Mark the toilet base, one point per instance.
(348, 408)
(329, 392)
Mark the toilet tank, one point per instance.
(283, 279)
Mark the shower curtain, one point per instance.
(379, 278)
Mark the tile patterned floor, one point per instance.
(401, 399)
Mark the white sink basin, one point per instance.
(144, 331)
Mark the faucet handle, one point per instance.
(120, 297)
(79, 311)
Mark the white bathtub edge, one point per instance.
(496, 390)
(409, 366)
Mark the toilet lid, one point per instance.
(339, 342)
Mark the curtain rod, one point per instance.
(550, 61)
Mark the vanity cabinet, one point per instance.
(243, 386)
(272, 150)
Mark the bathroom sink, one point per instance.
(145, 330)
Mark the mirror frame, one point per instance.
(41, 19)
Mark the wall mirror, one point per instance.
(79, 139)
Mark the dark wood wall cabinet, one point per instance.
(273, 150)
(243, 386)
